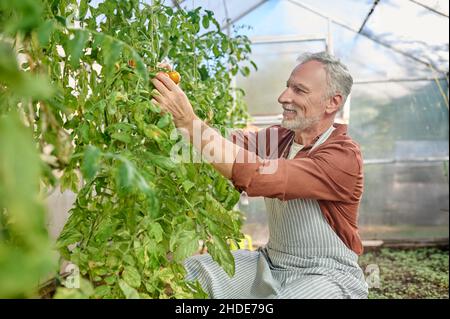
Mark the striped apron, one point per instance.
(304, 257)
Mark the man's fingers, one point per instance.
(167, 81)
(157, 95)
(155, 92)
(160, 86)
(155, 102)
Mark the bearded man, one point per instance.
(311, 177)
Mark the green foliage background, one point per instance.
(82, 88)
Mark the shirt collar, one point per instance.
(316, 139)
(287, 137)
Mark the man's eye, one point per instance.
(297, 90)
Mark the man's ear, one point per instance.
(334, 104)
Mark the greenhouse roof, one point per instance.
(409, 38)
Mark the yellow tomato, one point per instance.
(174, 76)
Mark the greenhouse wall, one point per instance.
(398, 109)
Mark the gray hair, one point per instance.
(339, 79)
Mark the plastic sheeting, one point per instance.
(419, 28)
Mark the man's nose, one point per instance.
(284, 97)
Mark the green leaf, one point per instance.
(187, 185)
(105, 230)
(84, 6)
(26, 15)
(84, 132)
(61, 20)
(69, 181)
(141, 68)
(157, 232)
(8, 65)
(91, 162)
(220, 252)
(232, 199)
(225, 44)
(161, 161)
(205, 22)
(112, 262)
(102, 291)
(44, 32)
(68, 237)
(132, 277)
(169, 11)
(125, 127)
(164, 120)
(216, 51)
(155, 133)
(221, 188)
(26, 255)
(76, 47)
(37, 86)
(212, 227)
(165, 274)
(128, 259)
(124, 176)
(85, 291)
(129, 292)
(184, 244)
(110, 280)
(111, 52)
(19, 82)
(245, 71)
(122, 137)
(98, 41)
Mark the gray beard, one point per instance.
(300, 123)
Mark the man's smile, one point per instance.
(289, 112)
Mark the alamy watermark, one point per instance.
(260, 147)
(73, 278)
(373, 276)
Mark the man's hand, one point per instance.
(171, 98)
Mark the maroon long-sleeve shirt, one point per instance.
(331, 173)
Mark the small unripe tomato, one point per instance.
(174, 76)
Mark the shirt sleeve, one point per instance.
(330, 173)
(248, 140)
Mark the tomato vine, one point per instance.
(137, 214)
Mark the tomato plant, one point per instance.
(82, 87)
